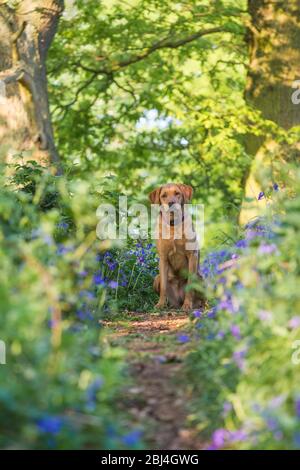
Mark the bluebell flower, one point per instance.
(62, 249)
(297, 407)
(98, 279)
(294, 322)
(198, 313)
(83, 273)
(277, 401)
(267, 249)
(219, 438)
(261, 196)
(113, 284)
(275, 187)
(238, 436)
(50, 424)
(87, 294)
(235, 331)
(132, 438)
(239, 358)
(63, 226)
(210, 337)
(265, 316)
(183, 338)
(212, 312)
(228, 303)
(272, 423)
(241, 243)
(227, 407)
(84, 314)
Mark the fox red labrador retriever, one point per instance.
(178, 254)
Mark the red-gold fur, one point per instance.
(176, 263)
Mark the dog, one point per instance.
(178, 255)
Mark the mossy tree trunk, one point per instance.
(274, 44)
(27, 29)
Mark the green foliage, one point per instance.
(245, 364)
(153, 115)
(60, 384)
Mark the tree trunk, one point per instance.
(26, 32)
(274, 42)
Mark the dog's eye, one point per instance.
(164, 195)
(177, 194)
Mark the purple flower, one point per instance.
(198, 313)
(52, 323)
(219, 438)
(183, 338)
(272, 423)
(276, 402)
(113, 284)
(132, 438)
(297, 407)
(98, 279)
(227, 407)
(239, 358)
(294, 323)
(267, 249)
(220, 334)
(87, 294)
(84, 314)
(62, 249)
(239, 285)
(50, 425)
(241, 243)
(238, 436)
(212, 313)
(83, 273)
(265, 316)
(63, 226)
(235, 331)
(210, 337)
(275, 187)
(261, 195)
(228, 304)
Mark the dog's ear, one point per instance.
(187, 192)
(154, 196)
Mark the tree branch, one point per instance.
(166, 43)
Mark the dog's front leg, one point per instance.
(193, 269)
(163, 272)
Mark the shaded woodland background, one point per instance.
(101, 99)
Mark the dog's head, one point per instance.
(171, 195)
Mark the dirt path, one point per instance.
(158, 394)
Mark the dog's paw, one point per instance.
(187, 306)
(160, 305)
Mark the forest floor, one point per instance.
(158, 393)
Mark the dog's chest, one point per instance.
(176, 254)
